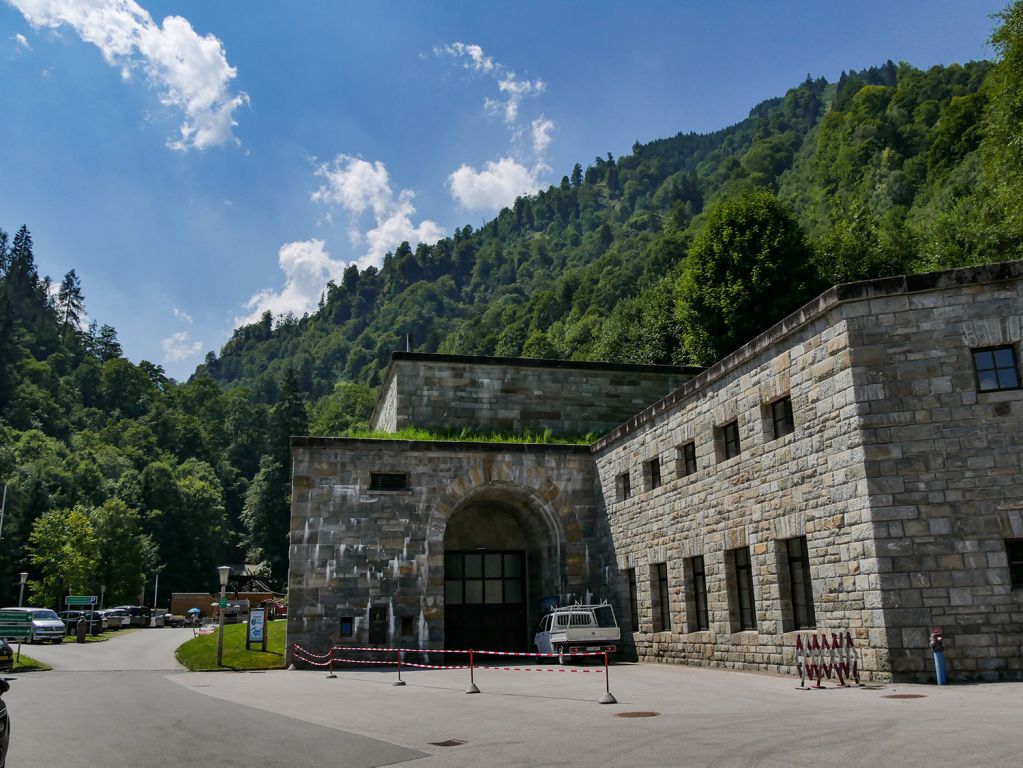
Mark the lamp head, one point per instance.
(225, 572)
(23, 576)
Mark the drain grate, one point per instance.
(905, 696)
(448, 743)
(637, 714)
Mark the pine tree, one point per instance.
(70, 301)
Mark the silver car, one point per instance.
(46, 625)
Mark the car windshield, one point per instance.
(45, 614)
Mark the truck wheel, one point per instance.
(562, 659)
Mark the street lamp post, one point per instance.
(23, 577)
(224, 571)
(102, 595)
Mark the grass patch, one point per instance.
(468, 436)
(200, 654)
(28, 664)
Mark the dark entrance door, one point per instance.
(485, 600)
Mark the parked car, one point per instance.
(5, 724)
(578, 629)
(46, 625)
(138, 614)
(94, 618)
(118, 618)
(173, 620)
(6, 656)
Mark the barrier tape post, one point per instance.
(332, 676)
(608, 697)
(472, 681)
(399, 681)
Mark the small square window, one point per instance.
(623, 486)
(781, 418)
(687, 459)
(729, 434)
(652, 470)
(996, 369)
(1014, 548)
(347, 626)
(388, 481)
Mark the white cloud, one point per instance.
(307, 267)
(472, 55)
(496, 186)
(360, 187)
(21, 40)
(190, 72)
(542, 128)
(180, 315)
(179, 346)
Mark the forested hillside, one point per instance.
(677, 252)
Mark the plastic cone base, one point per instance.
(291, 667)
(472, 689)
(608, 698)
(332, 676)
(398, 682)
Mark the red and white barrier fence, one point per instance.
(303, 655)
(818, 656)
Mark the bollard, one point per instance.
(608, 697)
(937, 644)
(472, 682)
(399, 680)
(332, 676)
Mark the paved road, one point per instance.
(115, 704)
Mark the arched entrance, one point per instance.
(501, 557)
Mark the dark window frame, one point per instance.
(782, 423)
(633, 600)
(1014, 553)
(663, 598)
(687, 459)
(731, 445)
(388, 481)
(800, 585)
(623, 486)
(700, 618)
(653, 473)
(746, 606)
(456, 573)
(996, 368)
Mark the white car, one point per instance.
(46, 625)
(578, 629)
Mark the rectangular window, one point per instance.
(633, 600)
(800, 588)
(687, 459)
(730, 440)
(623, 486)
(347, 626)
(659, 589)
(1014, 548)
(744, 614)
(388, 481)
(996, 368)
(699, 620)
(781, 417)
(408, 626)
(653, 473)
(487, 578)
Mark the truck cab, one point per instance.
(578, 629)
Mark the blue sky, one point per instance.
(200, 162)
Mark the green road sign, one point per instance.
(223, 603)
(80, 600)
(15, 625)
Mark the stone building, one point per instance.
(859, 467)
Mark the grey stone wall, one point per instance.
(512, 396)
(353, 548)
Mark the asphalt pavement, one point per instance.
(104, 705)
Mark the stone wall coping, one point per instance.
(381, 443)
(844, 293)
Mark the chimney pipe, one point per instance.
(408, 342)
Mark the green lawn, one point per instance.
(200, 653)
(28, 664)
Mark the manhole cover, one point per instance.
(637, 714)
(448, 743)
(904, 696)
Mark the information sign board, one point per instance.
(80, 600)
(257, 625)
(15, 625)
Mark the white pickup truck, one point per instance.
(577, 629)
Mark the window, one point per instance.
(347, 626)
(623, 486)
(996, 369)
(730, 440)
(1014, 548)
(800, 588)
(408, 626)
(744, 615)
(659, 589)
(652, 470)
(388, 481)
(781, 418)
(687, 459)
(478, 578)
(633, 600)
(699, 621)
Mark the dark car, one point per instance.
(6, 656)
(5, 723)
(94, 619)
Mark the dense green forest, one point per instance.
(675, 253)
